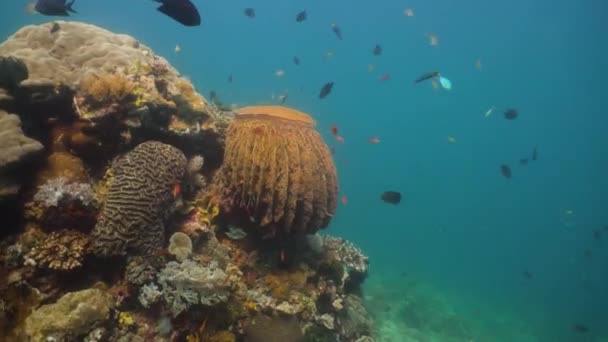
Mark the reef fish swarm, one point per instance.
(140, 193)
(277, 168)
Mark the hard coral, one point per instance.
(140, 195)
(62, 250)
(278, 170)
(282, 284)
(277, 329)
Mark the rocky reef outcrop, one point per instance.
(149, 214)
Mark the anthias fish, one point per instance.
(377, 51)
(296, 60)
(250, 12)
(511, 114)
(326, 90)
(55, 7)
(427, 76)
(393, 197)
(182, 11)
(337, 31)
(301, 16)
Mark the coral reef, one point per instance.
(273, 329)
(278, 170)
(16, 148)
(61, 250)
(139, 198)
(180, 246)
(73, 315)
(12, 72)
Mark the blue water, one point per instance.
(462, 228)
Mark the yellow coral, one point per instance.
(125, 319)
(193, 338)
(251, 306)
(108, 87)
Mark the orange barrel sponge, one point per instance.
(140, 195)
(278, 170)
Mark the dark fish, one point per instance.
(523, 161)
(384, 77)
(377, 51)
(527, 274)
(182, 11)
(230, 78)
(212, 95)
(283, 98)
(250, 12)
(296, 60)
(597, 234)
(505, 170)
(427, 76)
(326, 90)
(393, 197)
(588, 253)
(337, 31)
(55, 28)
(534, 154)
(580, 328)
(511, 114)
(54, 7)
(301, 16)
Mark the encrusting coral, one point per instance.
(142, 189)
(278, 170)
(62, 250)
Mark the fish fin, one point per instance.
(68, 7)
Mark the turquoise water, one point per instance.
(463, 234)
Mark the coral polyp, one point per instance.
(278, 170)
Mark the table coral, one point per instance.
(62, 250)
(278, 170)
(140, 194)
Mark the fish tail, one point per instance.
(69, 5)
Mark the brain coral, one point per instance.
(278, 169)
(138, 200)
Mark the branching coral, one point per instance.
(190, 283)
(62, 250)
(351, 256)
(278, 169)
(139, 198)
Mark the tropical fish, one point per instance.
(235, 233)
(427, 76)
(370, 68)
(55, 28)
(597, 234)
(283, 98)
(340, 139)
(377, 50)
(182, 11)
(279, 73)
(301, 16)
(580, 328)
(334, 129)
(337, 31)
(511, 114)
(329, 54)
(523, 161)
(408, 12)
(392, 197)
(384, 77)
(534, 154)
(374, 140)
(445, 83)
(489, 111)
(433, 39)
(451, 139)
(250, 12)
(54, 7)
(505, 170)
(296, 60)
(344, 200)
(326, 90)
(177, 49)
(230, 78)
(527, 274)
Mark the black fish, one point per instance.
(296, 60)
(527, 274)
(523, 161)
(580, 328)
(392, 197)
(54, 7)
(597, 234)
(511, 114)
(427, 76)
(301, 16)
(212, 95)
(326, 90)
(337, 31)
(55, 28)
(230, 78)
(377, 51)
(534, 154)
(250, 12)
(283, 98)
(505, 170)
(182, 11)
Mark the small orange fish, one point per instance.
(340, 139)
(374, 140)
(282, 255)
(344, 200)
(334, 129)
(176, 190)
